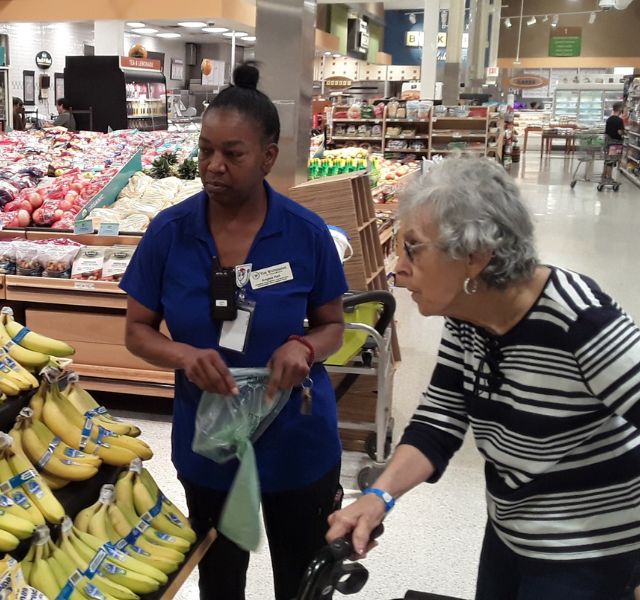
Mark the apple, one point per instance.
(24, 218)
(65, 204)
(35, 199)
(42, 192)
(57, 214)
(38, 216)
(76, 186)
(13, 205)
(71, 196)
(26, 205)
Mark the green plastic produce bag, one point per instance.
(226, 428)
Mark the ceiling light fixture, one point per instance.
(336, 55)
(507, 23)
(531, 21)
(192, 24)
(412, 18)
(545, 18)
(554, 20)
(215, 29)
(237, 34)
(145, 30)
(169, 35)
(248, 38)
(592, 18)
(327, 53)
(135, 24)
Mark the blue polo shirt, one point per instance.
(170, 273)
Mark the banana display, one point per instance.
(28, 349)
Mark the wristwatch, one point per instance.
(386, 497)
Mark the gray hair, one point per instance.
(477, 207)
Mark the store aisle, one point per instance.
(433, 536)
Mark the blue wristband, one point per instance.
(386, 497)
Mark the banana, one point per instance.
(70, 561)
(19, 526)
(12, 375)
(19, 497)
(8, 541)
(27, 358)
(120, 559)
(167, 520)
(84, 402)
(27, 562)
(84, 516)
(54, 483)
(41, 576)
(36, 489)
(61, 450)
(154, 490)
(23, 374)
(124, 501)
(65, 422)
(8, 387)
(31, 340)
(37, 401)
(123, 529)
(98, 525)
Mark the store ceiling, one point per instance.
(197, 36)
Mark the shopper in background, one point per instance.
(19, 119)
(65, 117)
(241, 221)
(543, 365)
(614, 133)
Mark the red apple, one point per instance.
(35, 199)
(65, 204)
(13, 205)
(26, 205)
(71, 196)
(76, 186)
(42, 192)
(38, 216)
(24, 218)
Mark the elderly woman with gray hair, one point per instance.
(545, 369)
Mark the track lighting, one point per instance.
(531, 21)
(507, 22)
(592, 18)
(412, 18)
(545, 18)
(554, 20)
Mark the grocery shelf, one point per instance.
(406, 137)
(386, 235)
(633, 159)
(438, 118)
(344, 120)
(458, 134)
(407, 151)
(126, 381)
(636, 133)
(407, 120)
(634, 146)
(48, 290)
(356, 137)
(631, 177)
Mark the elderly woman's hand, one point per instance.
(358, 519)
(289, 367)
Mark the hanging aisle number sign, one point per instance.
(43, 60)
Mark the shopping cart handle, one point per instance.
(327, 573)
(384, 297)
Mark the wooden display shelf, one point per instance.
(75, 292)
(376, 138)
(126, 381)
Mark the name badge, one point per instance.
(271, 276)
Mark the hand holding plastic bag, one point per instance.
(226, 428)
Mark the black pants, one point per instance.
(295, 521)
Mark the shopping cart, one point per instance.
(612, 156)
(328, 573)
(590, 146)
(366, 350)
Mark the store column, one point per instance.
(285, 47)
(109, 38)
(478, 42)
(453, 67)
(430, 49)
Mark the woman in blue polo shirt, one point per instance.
(239, 221)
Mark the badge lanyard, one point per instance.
(234, 335)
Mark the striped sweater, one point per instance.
(554, 406)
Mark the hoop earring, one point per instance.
(470, 286)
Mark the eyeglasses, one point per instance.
(410, 249)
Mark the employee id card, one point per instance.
(234, 335)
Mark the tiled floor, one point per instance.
(433, 537)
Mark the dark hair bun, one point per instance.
(246, 76)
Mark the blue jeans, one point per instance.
(504, 575)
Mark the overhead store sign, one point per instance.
(414, 39)
(338, 82)
(527, 82)
(566, 42)
(126, 62)
(43, 60)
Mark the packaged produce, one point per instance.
(392, 109)
(366, 110)
(27, 263)
(424, 106)
(354, 111)
(401, 113)
(89, 263)
(7, 257)
(56, 260)
(116, 261)
(413, 109)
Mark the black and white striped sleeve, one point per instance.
(609, 359)
(440, 422)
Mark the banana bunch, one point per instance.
(137, 497)
(85, 431)
(105, 519)
(26, 347)
(32, 494)
(14, 378)
(13, 585)
(120, 569)
(57, 462)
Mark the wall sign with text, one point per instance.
(565, 42)
(43, 60)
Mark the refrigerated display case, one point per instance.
(120, 92)
(587, 104)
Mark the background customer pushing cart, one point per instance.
(614, 132)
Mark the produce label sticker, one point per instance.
(85, 226)
(271, 276)
(109, 229)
